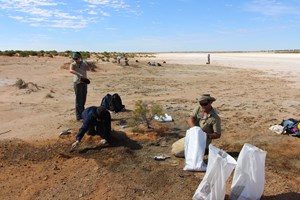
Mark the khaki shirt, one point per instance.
(210, 124)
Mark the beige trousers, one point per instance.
(178, 148)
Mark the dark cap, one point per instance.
(99, 112)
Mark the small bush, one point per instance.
(92, 65)
(144, 112)
(20, 84)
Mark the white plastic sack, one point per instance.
(277, 129)
(249, 176)
(194, 149)
(163, 118)
(219, 168)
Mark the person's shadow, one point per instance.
(288, 195)
(118, 138)
(234, 154)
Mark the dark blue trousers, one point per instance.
(80, 98)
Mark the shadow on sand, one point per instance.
(288, 195)
(119, 138)
(234, 154)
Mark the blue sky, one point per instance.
(149, 25)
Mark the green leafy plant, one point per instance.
(145, 111)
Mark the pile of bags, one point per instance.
(287, 126)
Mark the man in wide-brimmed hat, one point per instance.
(207, 118)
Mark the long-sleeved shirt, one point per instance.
(102, 125)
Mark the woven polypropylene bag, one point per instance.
(213, 186)
(249, 176)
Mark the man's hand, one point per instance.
(75, 145)
(103, 142)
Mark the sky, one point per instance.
(149, 25)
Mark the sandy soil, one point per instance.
(253, 91)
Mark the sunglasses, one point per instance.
(75, 58)
(204, 104)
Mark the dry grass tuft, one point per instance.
(49, 96)
(20, 84)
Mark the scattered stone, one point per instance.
(56, 167)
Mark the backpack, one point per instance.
(106, 101)
(116, 103)
(291, 126)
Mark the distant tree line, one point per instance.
(104, 56)
(285, 51)
(41, 53)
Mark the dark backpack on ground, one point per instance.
(106, 101)
(291, 126)
(116, 103)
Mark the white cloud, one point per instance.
(109, 3)
(19, 18)
(34, 12)
(59, 14)
(37, 11)
(69, 24)
(36, 19)
(64, 15)
(101, 2)
(105, 13)
(270, 8)
(10, 4)
(92, 12)
(35, 24)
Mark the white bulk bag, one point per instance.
(249, 176)
(219, 168)
(194, 149)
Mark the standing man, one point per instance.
(207, 118)
(79, 68)
(208, 59)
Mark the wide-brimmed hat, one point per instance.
(206, 97)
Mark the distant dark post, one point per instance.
(208, 59)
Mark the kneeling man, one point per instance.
(96, 121)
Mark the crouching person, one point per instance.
(207, 119)
(96, 121)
